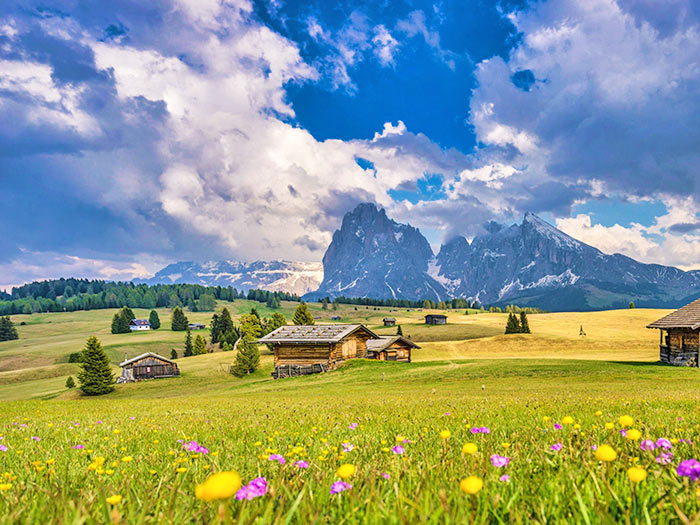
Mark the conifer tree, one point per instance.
(173, 354)
(8, 332)
(254, 313)
(179, 321)
(225, 321)
(632, 304)
(96, 376)
(214, 329)
(154, 320)
(70, 382)
(247, 357)
(302, 315)
(512, 326)
(128, 313)
(524, 325)
(399, 331)
(189, 349)
(275, 321)
(120, 323)
(200, 345)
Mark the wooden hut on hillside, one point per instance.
(389, 321)
(301, 350)
(680, 343)
(391, 348)
(147, 366)
(435, 319)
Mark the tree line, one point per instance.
(69, 295)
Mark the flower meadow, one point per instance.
(320, 458)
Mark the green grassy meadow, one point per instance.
(67, 455)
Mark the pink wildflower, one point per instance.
(78, 447)
(277, 457)
(505, 478)
(340, 486)
(398, 449)
(663, 443)
(301, 464)
(3, 448)
(499, 461)
(384, 475)
(647, 444)
(556, 447)
(352, 426)
(254, 489)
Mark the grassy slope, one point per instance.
(35, 367)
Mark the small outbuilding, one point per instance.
(435, 319)
(335, 318)
(136, 325)
(389, 321)
(309, 349)
(679, 335)
(147, 366)
(196, 326)
(391, 348)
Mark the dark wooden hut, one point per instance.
(435, 319)
(147, 366)
(391, 348)
(679, 335)
(301, 350)
(389, 321)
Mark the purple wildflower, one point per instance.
(301, 464)
(398, 449)
(340, 486)
(3, 448)
(505, 478)
(663, 443)
(36, 438)
(647, 444)
(480, 430)
(352, 426)
(78, 447)
(277, 457)
(664, 458)
(623, 432)
(447, 413)
(384, 475)
(254, 489)
(689, 468)
(594, 447)
(557, 426)
(499, 461)
(347, 447)
(556, 447)
(193, 446)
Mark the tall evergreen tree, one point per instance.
(275, 321)
(302, 315)
(8, 332)
(189, 349)
(154, 320)
(128, 313)
(247, 357)
(70, 382)
(120, 323)
(399, 331)
(173, 354)
(179, 321)
(200, 345)
(96, 376)
(524, 325)
(512, 326)
(225, 321)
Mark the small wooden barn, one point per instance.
(679, 335)
(147, 366)
(301, 350)
(196, 326)
(136, 325)
(389, 321)
(391, 348)
(435, 319)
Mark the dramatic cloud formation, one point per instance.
(138, 134)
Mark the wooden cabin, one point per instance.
(136, 325)
(435, 319)
(679, 335)
(196, 326)
(389, 321)
(147, 366)
(391, 348)
(301, 350)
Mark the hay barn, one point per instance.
(679, 335)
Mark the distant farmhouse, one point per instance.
(389, 321)
(680, 344)
(391, 348)
(147, 366)
(139, 324)
(435, 319)
(302, 350)
(196, 326)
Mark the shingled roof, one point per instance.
(385, 341)
(314, 334)
(147, 354)
(686, 317)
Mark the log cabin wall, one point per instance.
(352, 347)
(301, 354)
(683, 339)
(399, 351)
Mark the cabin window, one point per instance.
(148, 369)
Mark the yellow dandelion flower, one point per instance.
(545, 419)
(127, 459)
(636, 474)
(221, 485)
(605, 453)
(445, 434)
(469, 448)
(471, 485)
(634, 434)
(567, 420)
(181, 470)
(598, 413)
(626, 421)
(505, 445)
(114, 499)
(346, 471)
(5, 486)
(609, 426)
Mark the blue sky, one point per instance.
(136, 134)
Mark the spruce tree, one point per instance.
(128, 313)
(96, 376)
(120, 323)
(70, 382)
(399, 331)
(225, 321)
(200, 345)
(179, 321)
(173, 354)
(8, 332)
(247, 357)
(188, 345)
(632, 304)
(214, 329)
(512, 326)
(154, 320)
(275, 321)
(302, 315)
(524, 325)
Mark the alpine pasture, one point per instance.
(480, 427)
